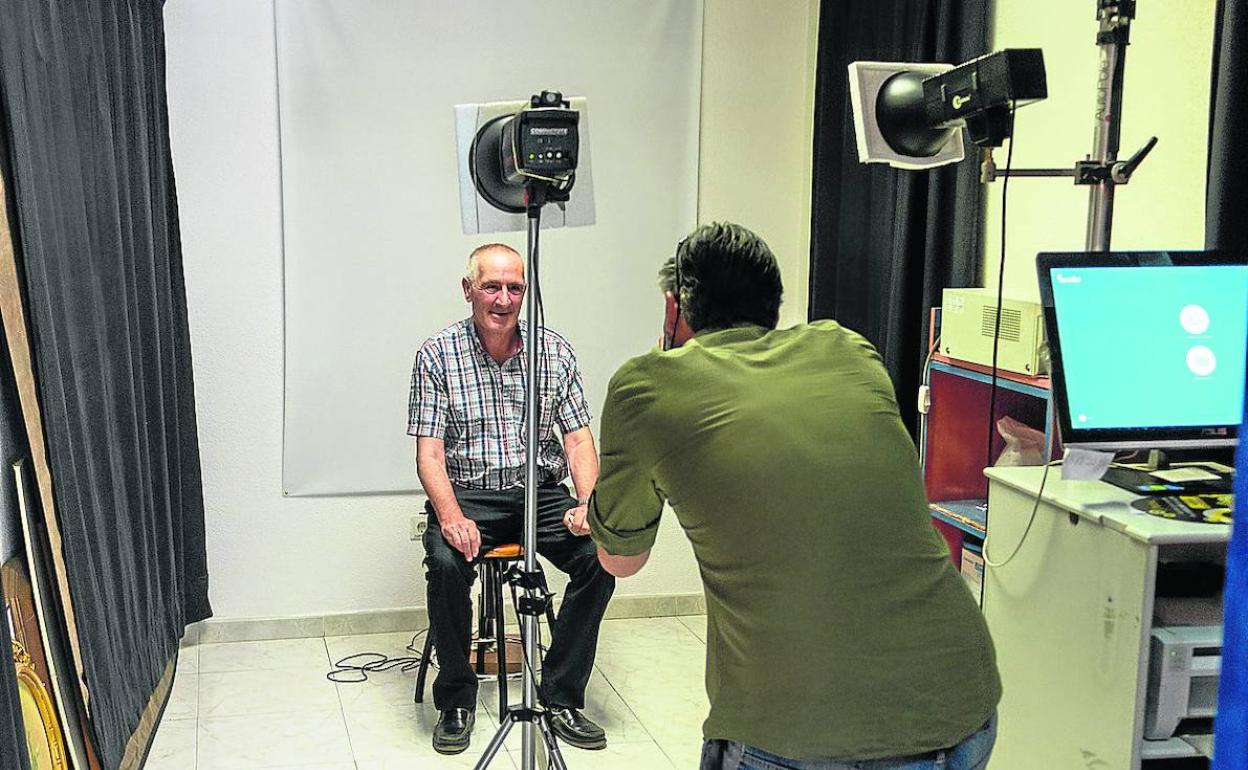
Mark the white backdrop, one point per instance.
(372, 241)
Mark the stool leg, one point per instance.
(501, 619)
(482, 615)
(424, 666)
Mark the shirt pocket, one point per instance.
(465, 431)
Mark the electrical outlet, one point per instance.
(418, 526)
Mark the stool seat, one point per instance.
(504, 551)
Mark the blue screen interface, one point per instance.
(1153, 347)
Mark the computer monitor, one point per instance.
(1148, 349)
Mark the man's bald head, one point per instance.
(474, 259)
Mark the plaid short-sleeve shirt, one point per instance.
(476, 406)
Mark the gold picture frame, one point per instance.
(44, 741)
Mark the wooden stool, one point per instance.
(491, 627)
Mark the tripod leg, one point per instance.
(506, 721)
(553, 755)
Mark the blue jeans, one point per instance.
(970, 754)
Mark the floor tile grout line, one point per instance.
(198, 712)
(342, 709)
(195, 733)
(629, 706)
(693, 631)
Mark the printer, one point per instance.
(1183, 668)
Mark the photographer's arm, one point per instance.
(624, 512)
(622, 566)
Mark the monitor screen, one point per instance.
(1148, 348)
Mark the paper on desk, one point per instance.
(1085, 464)
(1188, 473)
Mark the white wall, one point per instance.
(758, 80)
(1166, 94)
(270, 556)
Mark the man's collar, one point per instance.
(729, 332)
(470, 329)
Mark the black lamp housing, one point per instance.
(534, 150)
(917, 114)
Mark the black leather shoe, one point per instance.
(575, 729)
(454, 731)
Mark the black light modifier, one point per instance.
(918, 113)
(533, 148)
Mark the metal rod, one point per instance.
(1112, 38)
(532, 400)
(536, 722)
(1053, 172)
(1037, 172)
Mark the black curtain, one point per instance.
(1226, 196)
(82, 107)
(884, 242)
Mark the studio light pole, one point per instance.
(518, 164)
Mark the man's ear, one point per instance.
(670, 309)
(467, 286)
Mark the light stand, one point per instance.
(1102, 170)
(520, 163)
(533, 604)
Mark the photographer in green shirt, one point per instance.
(838, 630)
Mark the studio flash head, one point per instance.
(528, 157)
(911, 115)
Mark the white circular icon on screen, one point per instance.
(1195, 319)
(1201, 361)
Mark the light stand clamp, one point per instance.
(537, 598)
(1085, 172)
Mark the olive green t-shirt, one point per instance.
(837, 626)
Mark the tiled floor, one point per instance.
(259, 705)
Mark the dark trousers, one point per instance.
(499, 515)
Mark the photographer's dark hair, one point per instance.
(728, 276)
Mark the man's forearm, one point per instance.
(583, 465)
(437, 486)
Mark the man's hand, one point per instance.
(574, 520)
(463, 536)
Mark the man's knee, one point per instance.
(444, 565)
